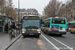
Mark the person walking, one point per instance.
(6, 27)
(13, 28)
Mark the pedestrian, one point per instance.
(6, 27)
(13, 28)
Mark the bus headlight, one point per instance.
(23, 30)
(38, 30)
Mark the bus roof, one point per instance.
(52, 17)
(72, 22)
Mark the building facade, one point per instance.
(26, 12)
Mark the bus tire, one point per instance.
(37, 36)
(71, 32)
(47, 33)
(44, 31)
(24, 36)
(60, 35)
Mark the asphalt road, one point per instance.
(31, 43)
(45, 42)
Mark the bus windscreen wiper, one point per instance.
(31, 27)
(35, 27)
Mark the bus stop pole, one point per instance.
(18, 14)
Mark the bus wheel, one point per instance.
(70, 32)
(60, 35)
(24, 36)
(44, 32)
(47, 33)
(37, 36)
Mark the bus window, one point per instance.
(48, 24)
(1, 22)
(58, 21)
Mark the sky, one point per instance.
(37, 4)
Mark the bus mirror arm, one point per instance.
(69, 24)
(42, 22)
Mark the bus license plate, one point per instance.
(31, 34)
(58, 33)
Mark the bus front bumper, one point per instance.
(52, 32)
(72, 31)
(31, 33)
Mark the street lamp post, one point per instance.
(71, 15)
(66, 11)
(18, 14)
(18, 10)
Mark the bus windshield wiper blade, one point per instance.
(32, 27)
(35, 27)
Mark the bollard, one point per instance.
(13, 42)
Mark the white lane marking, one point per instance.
(50, 42)
(62, 43)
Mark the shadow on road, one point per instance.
(72, 33)
(31, 37)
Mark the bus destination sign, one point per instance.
(30, 17)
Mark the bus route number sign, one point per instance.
(26, 17)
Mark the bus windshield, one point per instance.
(31, 23)
(58, 20)
(72, 25)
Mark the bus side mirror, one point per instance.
(21, 21)
(42, 22)
(69, 24)
(48, 25)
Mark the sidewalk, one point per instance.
(4, 40)
(1, 33)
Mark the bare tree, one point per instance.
(62, 10)
(52, 9)
(7, 8)
(10, 10)
(2, 6)
(69, 10)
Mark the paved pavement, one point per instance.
(4, 40)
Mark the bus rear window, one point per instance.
(58, 20)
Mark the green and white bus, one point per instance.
(71, 26)
(55, 25)
(31, 25)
